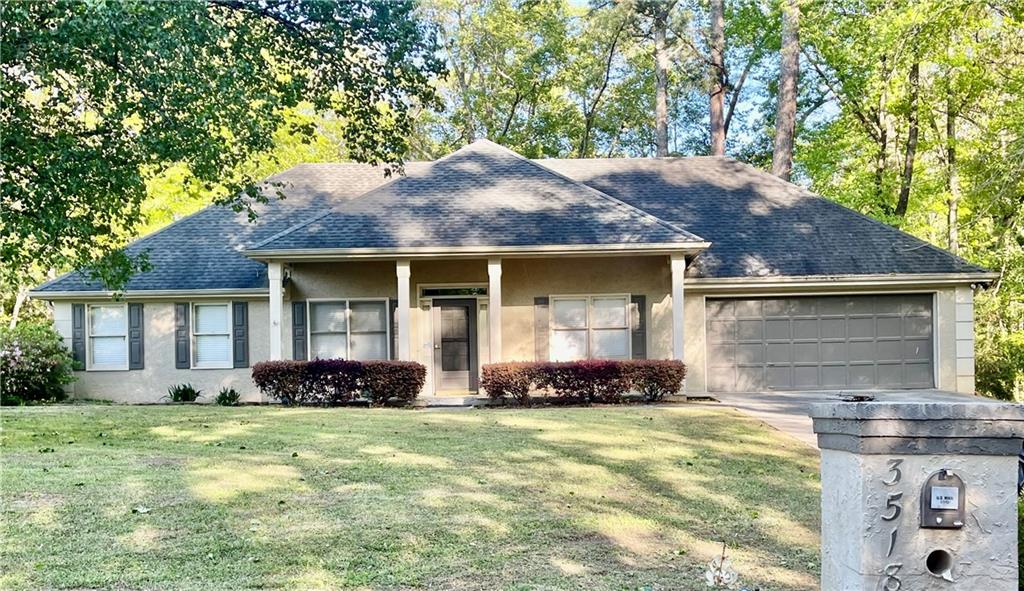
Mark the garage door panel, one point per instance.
(750, 330)
(890, 375)
(779, 353)
(917, 326)
(721, 331)
(806, 377)
(805, 328)
(750, 353)
(820, 342)
(889, 350)
(862, 376)
(806, 353)
(833, 328)
(860, 327)
(780, 377)
(750, 379)
(917, 349)
(862, 351)
(776, 329)
(889, 304)
(889, 326)
(918, 375)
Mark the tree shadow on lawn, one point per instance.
(567, 498)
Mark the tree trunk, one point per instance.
(789, 72)
(19, 301)
(908, 162)
(661, 64)
(717, 95)
(953, 177)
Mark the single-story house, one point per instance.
(486, 256)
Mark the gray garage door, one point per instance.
(813, 343)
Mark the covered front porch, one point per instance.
(455, 314)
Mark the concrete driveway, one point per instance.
(787, 411)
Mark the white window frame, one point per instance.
(89, 365)
(590, 328)
(193, 347)
(348, 322)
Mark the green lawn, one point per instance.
(190, 497)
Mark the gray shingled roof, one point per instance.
(482, 195)
(205, 250)
(758, 225)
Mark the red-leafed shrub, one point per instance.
(656, 378)
(392, 380)
(338, 381)
(332, 381)
(585, 381)
(512, 380)
(281, 380)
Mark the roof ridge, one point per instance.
(808, 193)
(615, 201)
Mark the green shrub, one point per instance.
(34, 364)
(227, 397)
(183, 393)
(999, 367)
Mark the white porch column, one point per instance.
(404, 331)
(275, 275)
(494, 308)
(678, 263)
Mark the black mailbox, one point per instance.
(942, 501)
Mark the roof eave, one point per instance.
(739, 284)
(154, 294)
(316, 254)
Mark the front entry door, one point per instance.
(454, 345)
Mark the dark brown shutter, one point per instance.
(78, 335)
(638, 325)
(299, 331)
(136, 337)
(393, 323)
(240, 333)
(540, 329)
(182, 341)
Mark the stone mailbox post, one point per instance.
(918, 495)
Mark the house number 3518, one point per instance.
(891, 514)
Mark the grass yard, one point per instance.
(191, 497)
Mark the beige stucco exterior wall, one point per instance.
(149, 385)
(522, 281)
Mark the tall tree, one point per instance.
(661, 65)
(716, 96)
(789, 73)
(910, 153)
(97, 96)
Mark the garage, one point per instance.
(819, 342)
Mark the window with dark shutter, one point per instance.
(393, 323)
(78, 335)
(136, 337)
(299, 331)
(638, 325)
(540, 329)
(240, 333)
(182, 340)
